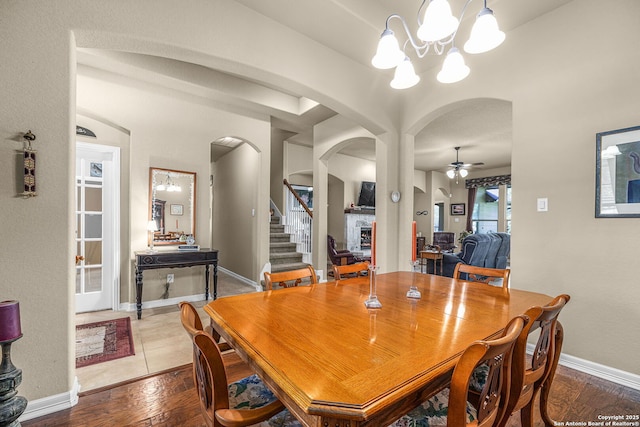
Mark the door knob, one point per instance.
(79, 258)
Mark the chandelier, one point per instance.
(436, 30)
(170, 186)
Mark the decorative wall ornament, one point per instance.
(29, 163)
(84, 131)
(488, 181)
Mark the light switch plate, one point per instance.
(543, 204)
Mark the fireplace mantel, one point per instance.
(360, 211)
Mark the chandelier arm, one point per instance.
(464, 9)
(420, 12)
(416, 46)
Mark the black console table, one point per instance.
(147, 260)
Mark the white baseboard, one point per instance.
(608, 373)
(131, 306)
(49, 405)
(244, 279)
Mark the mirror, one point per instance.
(172, 202)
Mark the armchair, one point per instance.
(481, 250)
(444, 239)
(339, 257)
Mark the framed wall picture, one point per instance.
(458, 209)
(618, 173)
(176, 209)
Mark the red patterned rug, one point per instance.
(103, 341)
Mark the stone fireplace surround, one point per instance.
(357, 221)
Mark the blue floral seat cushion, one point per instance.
(250, 393)
(479, 377)
(432, 412)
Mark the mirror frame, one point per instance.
(188, 208)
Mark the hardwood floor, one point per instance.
(169, 399)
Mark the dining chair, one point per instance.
(241, 403)
(451, 406)
(351, 270)
(490, 276)
(192, 324)
(533, 374)
(288, 279)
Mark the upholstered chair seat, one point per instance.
(251, 393)
(433, 412)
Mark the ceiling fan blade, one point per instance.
(468, 165)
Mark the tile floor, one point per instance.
(160, 342)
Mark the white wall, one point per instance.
(234, 207)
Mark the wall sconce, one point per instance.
(10, 377)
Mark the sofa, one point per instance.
(482, 250)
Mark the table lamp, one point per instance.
(11, 406)
(151, 227)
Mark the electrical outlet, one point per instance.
(169, 278)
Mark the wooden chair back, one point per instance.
(192, 324)
(213, 389)
(529, 374)
(287, 279)
(497, 354)
(352, 270)
(190, 318)
(482, 274)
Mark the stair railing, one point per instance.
(298, 221)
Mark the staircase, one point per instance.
(283, 255)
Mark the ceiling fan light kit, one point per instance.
(436, 29)
(458, 168)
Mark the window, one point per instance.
(489, 215)
(438, 217)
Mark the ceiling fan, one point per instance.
(459, 168)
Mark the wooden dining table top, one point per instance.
(333, 362)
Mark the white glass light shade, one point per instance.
(151, 226)
(485, 34)
(453, 69)
(405, 76)
(611, 152)
(464, 172)
(451, 173)
(438, 22)
(388, 54)
(160, 187)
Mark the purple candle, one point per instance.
(10, 320)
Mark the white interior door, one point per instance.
(97, 207)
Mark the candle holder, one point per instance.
(413, 291)
(11, 406)
(372, 301)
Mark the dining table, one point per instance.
(333, 362)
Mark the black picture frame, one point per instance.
(618, 173)
(458, 209)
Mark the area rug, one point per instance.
(103, 341)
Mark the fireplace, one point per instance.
(357, 230)
(365, 238)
